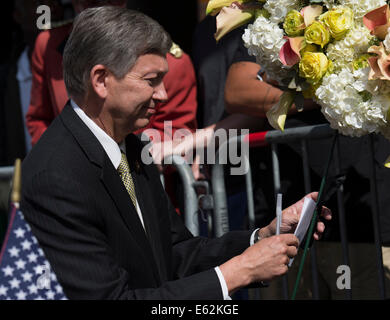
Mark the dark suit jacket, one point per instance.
(85, 222)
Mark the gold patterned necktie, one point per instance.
(124, 172)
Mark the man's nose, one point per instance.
(160, 93)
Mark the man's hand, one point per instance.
(160, 150)
(291, 215)
(263, 261)
(269, 257)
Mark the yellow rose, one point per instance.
(313, 66)
(309, 48)
(317, 33)
(339, 21)
(294, 24)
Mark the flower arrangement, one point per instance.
(333, 51)
(336, 52)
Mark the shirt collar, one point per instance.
(112, 149)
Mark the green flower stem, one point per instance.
(314, 219)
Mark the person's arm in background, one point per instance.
(204, 137)
(40, 113)
(233, 121)
(245, 93)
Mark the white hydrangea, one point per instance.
(340, 54)
(344, 51)
(330, 3)
(278, 9)
(359, 38)
(344, 107)
(264, 39)
(361, 7)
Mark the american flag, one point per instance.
(25, 273)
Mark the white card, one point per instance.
(304, 221)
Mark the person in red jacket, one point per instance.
(49, 96)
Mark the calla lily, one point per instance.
(310, 13)
(215, 6)
(377, 21)
(231, 18)
(278, 113)
(380, 64)
(387, 162)
(289, 54)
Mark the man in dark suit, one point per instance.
(99, 212)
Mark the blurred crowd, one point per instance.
(210, 86)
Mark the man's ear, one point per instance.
(98, 77)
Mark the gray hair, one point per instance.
(112, 36)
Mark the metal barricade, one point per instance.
(6, 172)
(192, 202)
(301, 134)
(221, 218)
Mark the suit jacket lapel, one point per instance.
(111, 180)
(141, 182)
(119, 195)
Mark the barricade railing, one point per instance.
(193, 203)
(6, 172)
(221, 217)
(273, 138)
(190, 197)
(301, 134)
